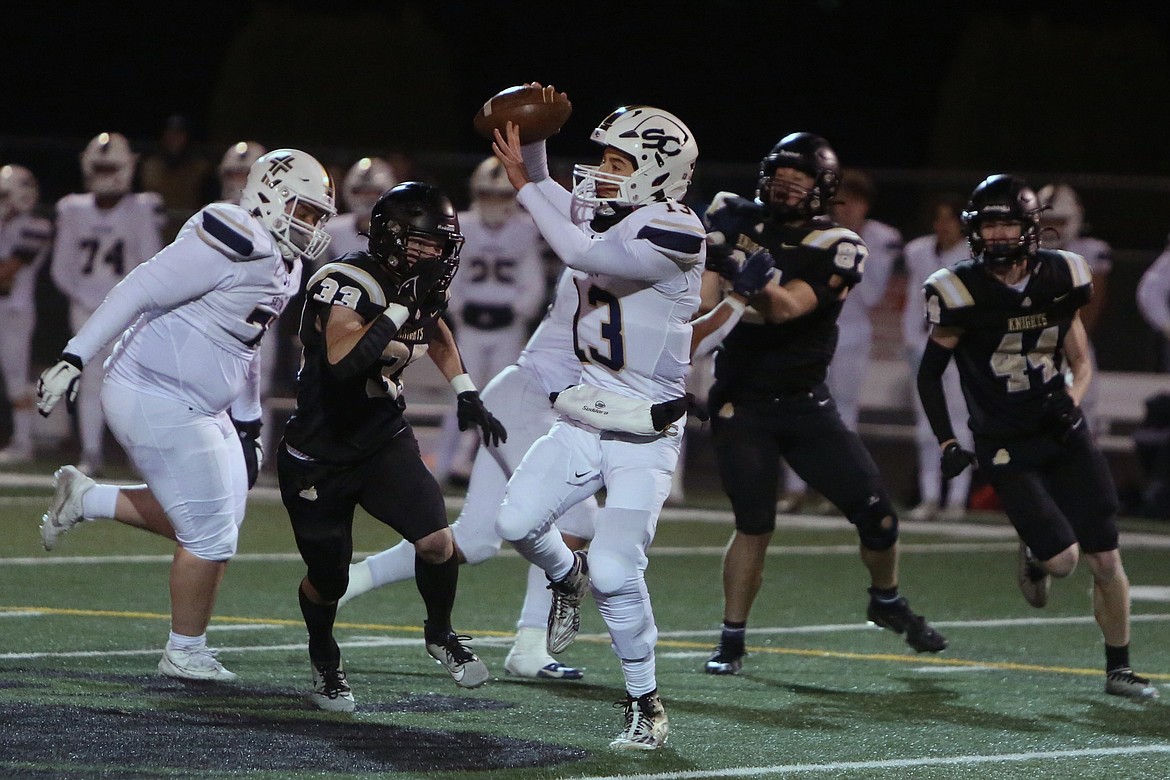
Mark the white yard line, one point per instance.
(893, 763)
(298, 646)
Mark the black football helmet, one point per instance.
(414, 210)
(809, 154)
(1005, 198)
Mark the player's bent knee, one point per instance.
(330, 585)
(1063, 563)
(877, 524)
(219, 545)
(436, 547)
(617, 553)
(609, 572)
(512, 523)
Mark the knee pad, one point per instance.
(476, 547)
(618, 550)
(877, 523)
(215, 538)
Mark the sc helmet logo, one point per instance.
(663, 144)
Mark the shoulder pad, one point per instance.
(676, 233)
(227, 229)
(829, 237)
(1078, 268)
(952, 291)
(333, 277)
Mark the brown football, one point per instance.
(539, 112)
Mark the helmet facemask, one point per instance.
(365, 182)
(413, 226)
(292, 195)
(1003, 199)
(107, 164)
(811, 155)
(493, 197)
(18, 191)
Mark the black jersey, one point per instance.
(340, 420)
(1011, 351)
(763, 358)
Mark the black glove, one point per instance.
(253, 452)
(663, 414)
(732, 217)
(955, 459)
(1063, 414)
(756, 273)
(471, 411)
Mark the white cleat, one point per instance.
(331, 691)
(69, 485)
(646, 724)
(463, 665)
(1123, 682)
(198, 664)
(529, 658)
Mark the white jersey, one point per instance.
(501, 272)
(922, 259)
(95, 248)
(632, 329)
(549, 353)
(343, 237)
(885, 245)
(1097, 253)
(25, 238)
(193, 315)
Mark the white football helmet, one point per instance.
(493, 197)
(661, 146)
(18, 191)
(364, 183)
(1061, 211)
(234, 167)
(107, 163)
(292, 195)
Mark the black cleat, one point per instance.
(899, 618)
(727, 659)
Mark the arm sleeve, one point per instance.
(637, 259)
(179, 273)
(558, 196)
(247, 406)
(930, 389)
(535, 161)
(372, 343)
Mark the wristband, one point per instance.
(736, 304)
(462, 384)
(397, 313)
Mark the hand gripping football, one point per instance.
(538, 111)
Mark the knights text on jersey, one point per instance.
(344, 420)
(761, 358)
(1011, 350)
(633, 336)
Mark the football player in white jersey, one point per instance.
(181, 388)
(102, 235)
(498, 293)
(24, 244)
(234, 167)
(1062, 223)
(642, 253)
(364, 183)
(942, 248)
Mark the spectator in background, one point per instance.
(177, 173)
(500, 289)
(24, 245)
(1153, 299)
(1062, 223)
(944, 247)
(102, 235)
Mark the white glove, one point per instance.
(59, 381)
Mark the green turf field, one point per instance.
(1017, 695)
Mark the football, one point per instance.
(539, 112)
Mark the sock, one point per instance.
(537, 601)
(323, 649)
(186, 643)
(99, 502)
(885, 596)
(22, 428)
(733, 633)
(1116, 657)
(436, 584)
(639, 676)
(393, 565)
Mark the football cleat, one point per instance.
(69, 485)
(198, 664)
(463, 665)
(1034, 582)
(899, 618)
(529, 658)
(564, 615)
(331, 691)
(727, 658)
(1123, 682)
(647, 727)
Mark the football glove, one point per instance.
(955, 459)
(667, 412)
(1064, 416)
(249, 433)
(723, 259)
(471, 411)
(731, 216)
(57, 382)
(755, 274)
